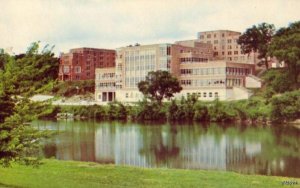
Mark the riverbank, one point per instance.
(54, 173)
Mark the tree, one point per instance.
(285, 46)
(159, 85)
(257, 39)
(4, 57)
(19, 141)
(26, 73)
(286, 106)
(6, 106)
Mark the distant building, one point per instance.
(191, 61)
(105, 84)
(225, 46)
(80, 63)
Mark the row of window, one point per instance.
(107, 85)
(203, 82)
(215, 71)
(192, 60)
(141, 67)
(229, 47)
(133, 81)
(106, 76)
(212, 82)
(239, 58)
(146, 58)
(139, 53)
(203, 71)
(205, 94)
(237, 71)
(210, 35)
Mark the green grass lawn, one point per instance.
(54, 173)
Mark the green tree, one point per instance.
(24, 74)
(6, 106)
(159, 85)
(286, 107)
(4, 57)
(19, 141)
(257, 39)
(285, 46)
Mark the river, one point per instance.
(266, 150)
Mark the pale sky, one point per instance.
(115, 23)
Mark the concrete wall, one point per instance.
(253, 82)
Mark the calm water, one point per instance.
(248, 150)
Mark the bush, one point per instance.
(70, 88)
(286, 107)
(220, 112)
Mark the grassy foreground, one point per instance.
(73, 174)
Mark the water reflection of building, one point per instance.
(74, 143)
(191, 147)
(104, 144)
(167, 148)
(127, 147)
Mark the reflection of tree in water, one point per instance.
(159, 146)
(278, 147)
(166, 152)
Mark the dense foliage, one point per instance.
(286, 107)
(186, 109)
(285, 46)
(159, 85)
(257, 39)
(26, 73)
(19, 141)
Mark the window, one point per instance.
(223, 35)
(229, 40)
(215, 35)
(229, 53)
(215, 41)
(236, 52)
(66, 69)
(126, 95)
(210, 94)
(204, 94)
(216, 95)
(199, 94)
(77, 69)
(208, 36)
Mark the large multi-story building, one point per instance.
(134, 62)
(80, 63)
(225, 46)
(193, 64)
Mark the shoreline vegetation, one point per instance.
(278, 109)
(55, 173)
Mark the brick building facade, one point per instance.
(80, 63)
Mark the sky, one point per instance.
(112, 24)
